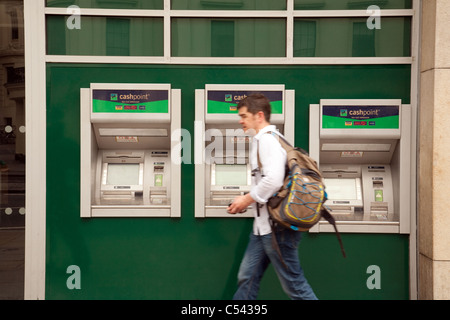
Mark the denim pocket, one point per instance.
(289, 238)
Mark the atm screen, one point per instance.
(123, 174)
(339, 189)
(231, 175)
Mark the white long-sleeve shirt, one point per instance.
(264, 184)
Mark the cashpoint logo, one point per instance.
(364, 113)
(230, 98)
(359, 112)
(130, 96)
(135, 97)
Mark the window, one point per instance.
(108, 4)
(351, 37)
(228, 5)
(305, 38)
(363, 40)
(117, 37)
(106, 36)
(350, 4)
(230, 29)
(222, 38)
(204, 37)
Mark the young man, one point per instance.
(254, 113)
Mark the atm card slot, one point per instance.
(160, 153)
(123, 157)
(339, 171)
(158, 191)
(378, 184)
(378, 207)
(343, 210)
(118, 195)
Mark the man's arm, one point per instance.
(273, 160)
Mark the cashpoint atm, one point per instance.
(363, 148)
(127, 137)
(222, 169)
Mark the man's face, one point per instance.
(248, 121)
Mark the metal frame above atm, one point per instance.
(128, 168)
(363, 148)
(222, 169)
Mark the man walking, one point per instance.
(254, 112)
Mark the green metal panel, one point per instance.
(188, 258)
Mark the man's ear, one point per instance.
(261, 117)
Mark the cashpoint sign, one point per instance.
(226, 101)
(360, 117)
(130, 101)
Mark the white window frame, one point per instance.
(288, 14)
(36, 58)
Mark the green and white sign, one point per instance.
(130, 101)
(226, 101)
(360, 117)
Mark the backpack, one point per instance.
(299, 203)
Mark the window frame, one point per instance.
(290, 14)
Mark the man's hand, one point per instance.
(240, 203)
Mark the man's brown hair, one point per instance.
(256, 102)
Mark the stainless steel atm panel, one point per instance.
(128, 164)
(222, 169)
(363, 148)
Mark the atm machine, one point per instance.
(363, 148)
(222, 169)
(127, 137)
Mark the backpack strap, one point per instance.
(283, 142)
(327, 215)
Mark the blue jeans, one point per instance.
(257, 257)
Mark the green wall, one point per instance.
(188, 258)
